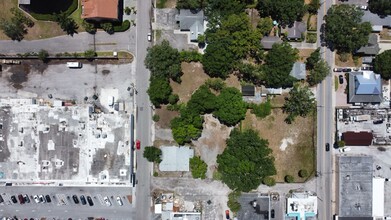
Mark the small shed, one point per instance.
(298, 71)
(248, 90)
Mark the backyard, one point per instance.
(292, 145)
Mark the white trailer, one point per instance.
(74, 64)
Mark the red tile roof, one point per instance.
(362, 138)
(103, 9)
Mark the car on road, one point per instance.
(340, 77)
(138, 144)
(42, 198)
(1, 199)
(47, 197)
(272, 214)
(36, 199)
(21, 199)
(119, 201)
(337, 69)
(75, 199)
(90, 202)
(107, 201)
(327, 147)
(83, 200)
(13, 198)
(345, 149)
(227, 214)
(149, 37)
(26, 198)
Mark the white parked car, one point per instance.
(344, 149)
(119, 201)
(107, 201)
(36, 199)
(363, 7)
(149, 37)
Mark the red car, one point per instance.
(227, 214)
(138, 144)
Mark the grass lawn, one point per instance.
(336, 83)
(165, 3)
(76, 15)
(292, 145)
(312, 22)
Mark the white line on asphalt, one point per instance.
(1, 210)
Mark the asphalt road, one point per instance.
(144, 111)
(56, 208)
(325, 124)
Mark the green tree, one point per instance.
(173, 99)
(67, 24)
(217, 60)
(246, 161)
(285, 12)
(250, 73)
(90, 28)
(262, 110)
(318, 73)
(127, 10)
(303, 173)
(289, 179)
(155, 118)
(265, 25)
(202, 101)
(300, 102)
(233, 203)
(380, 7)
(163, 60)
(198, 168)
(216, 84)
(382, 64)
(223, 8)
(43, 55)
(152, 154)
(341, 143)
(230, 106)
(313, 59)
(159, 91)
(313, 6)
(278, 65)
(344, 30)
(186, 127)
(90, 54)
(16, 27)
(191, 4)
(269, 181)
(108, 27)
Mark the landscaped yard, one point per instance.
(292, 145)
(165, 3)
(304, 54)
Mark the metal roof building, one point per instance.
(191, 21)
(365, 87)
(175, 158)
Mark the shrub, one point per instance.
(341, 143)
(108, 27)
(152, 154)
(90, 54)
(43, 55)
(289, 179)
(127, 10)
(216, 84)
(89, 27)
(155, 118)
(311, 38)
(173, 99)
(124, 26)
(262, 110)
(155, 174)
(269, 181)
(233, 203)
(190, 56)
(303, 173)
(198, 167)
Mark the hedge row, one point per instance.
(123, 27)
(52, 17)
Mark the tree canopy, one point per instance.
(265, 25)
(186, 127)
(313, 6)
(313, 59)
(198, 167)
(16, 27)
(380, 7)
(159, 91)
(285, 12)
(278, 65)
(318, 73)
(230, 106)
(300, 102)
(191, 4)
(202, 101)
(382, 64)
(222, 8)
(152, 154)
(66, 23)
(245, 161)
(344, 30)
(164, 61)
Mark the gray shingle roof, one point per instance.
(298, 71)
(374, 19)
(24, 2)
(296, 30)
(365, 87)
(193, 22)
(267, 42)
(372, 48)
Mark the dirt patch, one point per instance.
(212, 142)
(304, 54)
(292, 145)
(385, 34)
(254, 16)
(233, 81)
(170, 4)
(349, 62)
(192, 78)
(165, 117)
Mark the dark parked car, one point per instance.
(327, 147)
(347, 70)
(75, 199)
(21, 199)
(90, 202)
(272, 213)
(48, 198)
(340, 77)
(13, 198)
(1, 199)
(83, 200)
(338, 69)
(26, 198)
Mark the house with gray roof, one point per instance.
(298, 71)
(376, 21)
(192, 22)
(295, 32)
(372, 48)
(365, 87)
(268, 41)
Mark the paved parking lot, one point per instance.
(62, 205)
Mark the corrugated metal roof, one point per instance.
(361, 138)
(364, 95)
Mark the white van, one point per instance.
(74, 64)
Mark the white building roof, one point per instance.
(175, 158)
(302, 205)
(378, 197)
